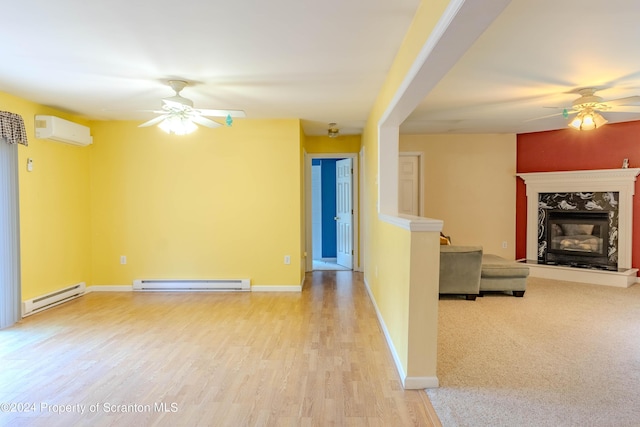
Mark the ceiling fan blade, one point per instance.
(569, 110)
(148, 111)
(221, 113)
(205, 122)
(631, 100)
(153, 121)
(625, 109)
(562, 113)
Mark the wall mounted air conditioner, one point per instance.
(57, 129)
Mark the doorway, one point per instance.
(410, 169)
(331, 212)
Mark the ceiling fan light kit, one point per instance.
(179, 117)
(588, 119)
(333, 131)
(177, 125)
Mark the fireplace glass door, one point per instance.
(577, 238)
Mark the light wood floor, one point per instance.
(316, 358)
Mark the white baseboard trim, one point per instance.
(415, 383)
(276, 288)
(129, 288)
(109, 288)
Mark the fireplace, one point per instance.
(578, 229)
(578, 239)
(604, 190)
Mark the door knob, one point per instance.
(336, 218)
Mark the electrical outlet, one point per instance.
(123, 259)
(287, 259)
(504, 245)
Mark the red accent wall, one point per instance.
(569, 149)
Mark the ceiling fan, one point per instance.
(178, 115)
(588, 107)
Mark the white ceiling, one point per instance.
(320, 61)
(536, 54)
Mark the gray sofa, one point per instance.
(460, 270)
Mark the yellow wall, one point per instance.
(54, 210)
(380, 241)
(341, 144)
(391, 285)
(470, 183)
(219, 203)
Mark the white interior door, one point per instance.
(409, 185)
(344, 213)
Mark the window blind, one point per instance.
(10, 297)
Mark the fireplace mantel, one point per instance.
(614, 180)
(575, 181)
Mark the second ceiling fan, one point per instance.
(588, 107)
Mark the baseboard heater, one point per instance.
(192, 285)
(51, 299)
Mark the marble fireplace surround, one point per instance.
(602, 180)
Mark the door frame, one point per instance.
(343, 257)
(308, 158)
(420, 156)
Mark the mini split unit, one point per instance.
(57, 129)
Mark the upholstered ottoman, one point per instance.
(499, 274)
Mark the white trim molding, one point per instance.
(413, 223)
(415, 383)
(109, 288)
(129, 288)
(551, 181)
(276, 288)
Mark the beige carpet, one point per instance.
(566, 354)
